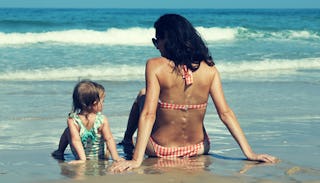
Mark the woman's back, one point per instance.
(184, 125)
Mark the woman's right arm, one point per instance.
(230, 120)
(146, 120)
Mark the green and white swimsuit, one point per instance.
(92, 141)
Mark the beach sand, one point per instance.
(192, 170)
(153, 170)
(38, 166)
(205, 168)
(172, 177)
(28, 139)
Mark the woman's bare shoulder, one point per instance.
(157, 60)
(205, 65)
(158, 63)
(212, 70)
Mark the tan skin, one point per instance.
(173, 128)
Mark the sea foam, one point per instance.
(239, 71)
(137, 36)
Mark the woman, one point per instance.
(178, 85)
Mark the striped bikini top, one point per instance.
(182, 107)
(188, 77)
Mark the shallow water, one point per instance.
(274, 122)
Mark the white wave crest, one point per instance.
(217, 34)
(137, 36)
(268, 69)
(120, 73)
(132, 36)
(270, 65)
(238, 70)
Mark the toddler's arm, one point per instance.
(111, 145)
(76, 141)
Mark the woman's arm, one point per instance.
(107, 135)
(76, 141)
(147, 117)
(229, 119)
(148, 114)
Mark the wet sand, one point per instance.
(189, 170)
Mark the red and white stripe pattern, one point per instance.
(171, 152)
(187, 75)
(186, 107)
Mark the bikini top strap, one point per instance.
(187, 75)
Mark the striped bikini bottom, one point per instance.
(186, 151)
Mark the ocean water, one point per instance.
(269, 61)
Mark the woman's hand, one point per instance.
(75, 162)
(119, 160)
(263, 158)
(121, 166)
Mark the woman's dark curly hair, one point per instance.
(183, 44)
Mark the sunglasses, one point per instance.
(155, 42)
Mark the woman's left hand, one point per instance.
(75, 162)
(121, 166)
(263, 158)
(119, 160)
